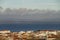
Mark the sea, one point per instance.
(29, 26)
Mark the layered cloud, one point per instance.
(29, 14)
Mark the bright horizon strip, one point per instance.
(31, 4)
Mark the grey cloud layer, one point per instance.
(29, 14)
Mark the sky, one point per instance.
(42, 10)
(31, 4)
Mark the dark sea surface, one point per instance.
(27, 26)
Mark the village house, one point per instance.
(51, 37)
(52, 32)
(5, 31)
(30, 35)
